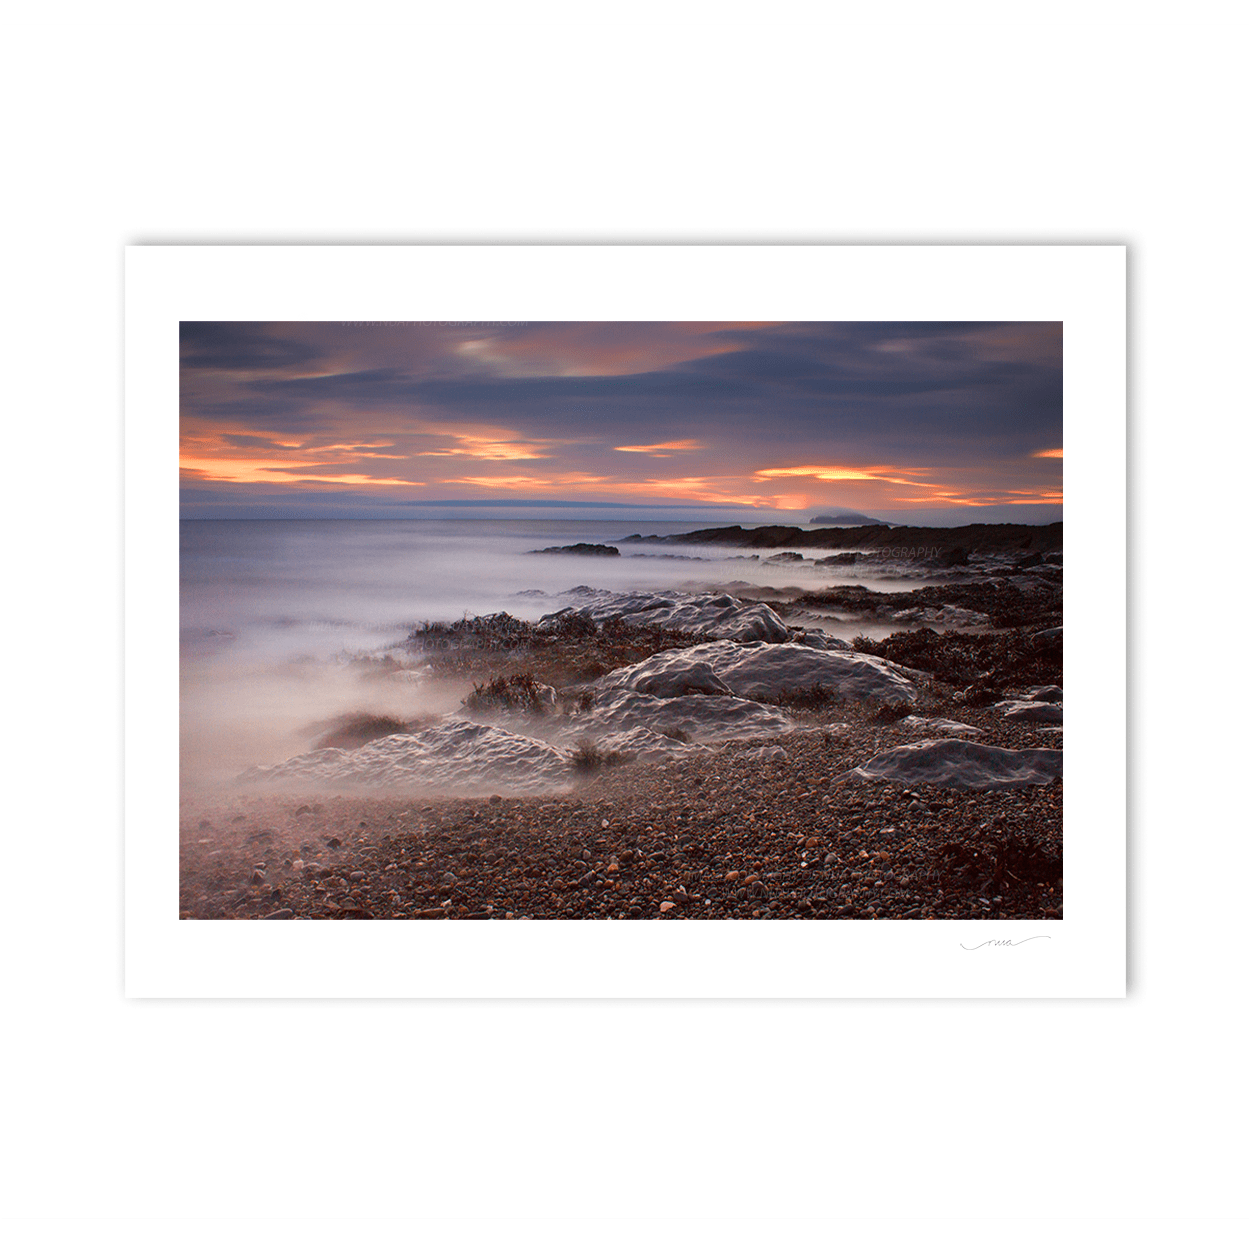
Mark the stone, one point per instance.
(1028, 711)
(959, 764)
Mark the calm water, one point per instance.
(289, 589)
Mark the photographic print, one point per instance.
(622, 620)
(750, 628)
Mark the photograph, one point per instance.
(621, 620)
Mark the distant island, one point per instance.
(846, 518)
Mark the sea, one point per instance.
(273, 612)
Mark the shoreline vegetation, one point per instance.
(860, 782)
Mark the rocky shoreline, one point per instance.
(781, 817)
(986, 539)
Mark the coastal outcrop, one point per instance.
(1027, 539)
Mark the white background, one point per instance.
(994, 1123)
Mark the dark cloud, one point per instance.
(937, 394)
(240, 346)
(250, 440)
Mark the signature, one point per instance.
(1004, 942)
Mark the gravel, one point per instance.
(732, 833)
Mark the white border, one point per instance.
(1082, 956)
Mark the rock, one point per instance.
(696, 678)
(843, 557)
(785, 557)
(579, 549)
(937, 725)
(455, 756)
(257, 876)
(667, 906)
(765, 753)
(1040, 713)
(1045, 634)
(758, 670)
(716, 615)
(1046, 694)
(685, 719)
(356, 876)
(283, 913)
(959, 764)
(948, 615)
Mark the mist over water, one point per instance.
(273, 612)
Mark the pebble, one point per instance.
(257, 876)
(356, 876)
(667, 906)
(284, 913)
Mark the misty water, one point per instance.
(272, 612)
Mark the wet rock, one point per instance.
(964, 765)
(1035, 713)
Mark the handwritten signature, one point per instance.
(1005, 942)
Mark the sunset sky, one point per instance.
(945, 422)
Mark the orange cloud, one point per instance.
(658, 449)
(1052, 453)
(520, 482)
(842, 473)
(244, 470)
